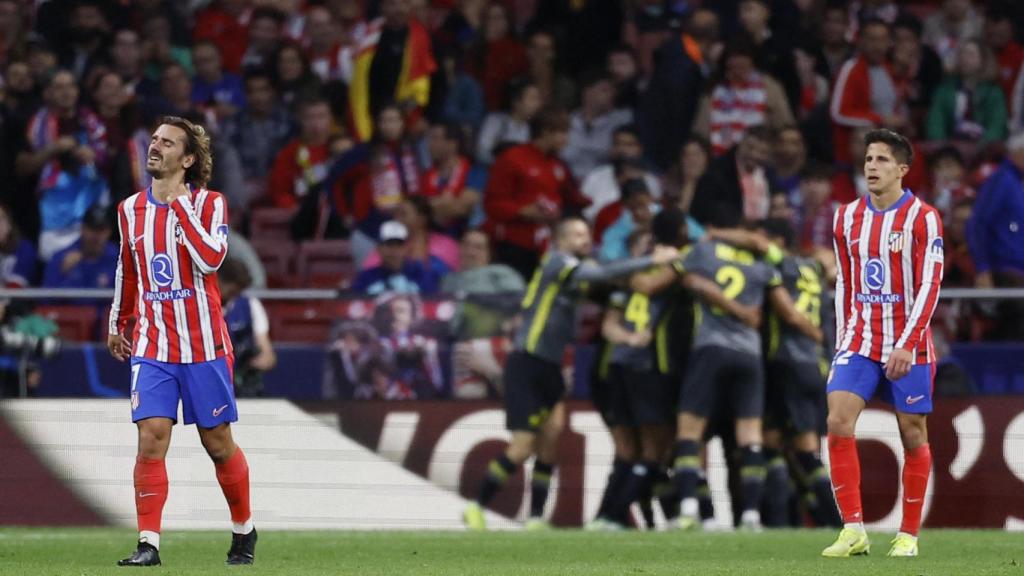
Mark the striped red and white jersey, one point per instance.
(889, 272)
(167, 276)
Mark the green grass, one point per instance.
(25, 551)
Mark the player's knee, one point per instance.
(153, 441)
(218, 443)
(840, 424)
(913, 432)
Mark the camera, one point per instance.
(43, 347)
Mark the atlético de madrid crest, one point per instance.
(896, 241)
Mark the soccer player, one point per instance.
(173, 240)
(796, 389)
(889, 252)
(534, 388)
(726, 365)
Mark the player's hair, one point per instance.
(781, 228)
(898, 145)
(666, 225)
(197, 143)
(564, 224)
(631, 129)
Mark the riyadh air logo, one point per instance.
(163, 274)
(874, 274)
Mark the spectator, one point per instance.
(969, 105)
(477, 274)
(772, 53)
(740, 98)
(638, 213)
(125, 56)
(525, 193)
(460, 28)
(112, 105)
(213, 87)
(85, 39)
(865, 92)
(668, 107)
(348, 16)
(324, 49)
(694, 159)
(258, 131)
(789, 160)
(265, 30)
(249, 327)
(497, 57)
(542, 70)
(915, 66)
(948, 179)
(453, 185)
(613, 207)
(601, 185)
(19, 100)
(301, 166)
(158, 50)
(67, 145)
(585, 30)
(592, 125)
(835, 48)
(848, 181)
(380, 383)
(412, 354)
(994, 237)
(958, 267)
(423, 246)
(464, 100)
(813, 216)
(1000, 36)
(17, 254)
(944, 30)
(175, 98)
(224, 22)
(91, 262)
(512, 126)
(397, 272)
(393, 63)
(736, 186)
(814, 87)
(43, 61)
(12, 32)
(293, 77)
(625, 74)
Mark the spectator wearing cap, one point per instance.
(592, 125)
(414, 213)
(91, 262)
(397, 272)
(736, 186)
(452, 184)
(969, 104)
(601, 186)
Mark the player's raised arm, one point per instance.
(204, 228)
(592, 272)
(125, 293)
(928, 268)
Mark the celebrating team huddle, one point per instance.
(687, 356)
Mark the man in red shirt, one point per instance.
(526, 193)
(302, 164)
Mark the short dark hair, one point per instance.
(781, 228)
(944, 153)
(909, 22)
(258, 74)
(549, 120)
(666, 225)
(633, 187)
(900, 146)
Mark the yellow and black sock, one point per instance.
(540, 484)
(498, 473)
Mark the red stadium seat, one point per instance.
(271, 223)
(302, 321)
(325, 264)
(278, 257)
(74, 322)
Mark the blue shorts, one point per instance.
(205, 389)
(911, 394)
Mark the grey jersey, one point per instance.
(742, 277)
(802, 278)
(549, 306)
(640, 311)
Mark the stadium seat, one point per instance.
(270, 223)
(75, 323)
(302, 321)
(325, 264)
(277, 257)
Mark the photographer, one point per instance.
(250, 329)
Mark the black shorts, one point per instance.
(532, 389)
(796, 397)
(639, 398)
(720, 380)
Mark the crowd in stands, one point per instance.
(409, 128)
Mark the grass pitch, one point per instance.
(34, 551)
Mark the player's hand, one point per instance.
(898, 365)
(640, 339)
(120, 347)
(664, 255)
(749, 315)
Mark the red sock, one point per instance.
(845, 464)
(916, 468)
(233, 477)
(150, 492)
